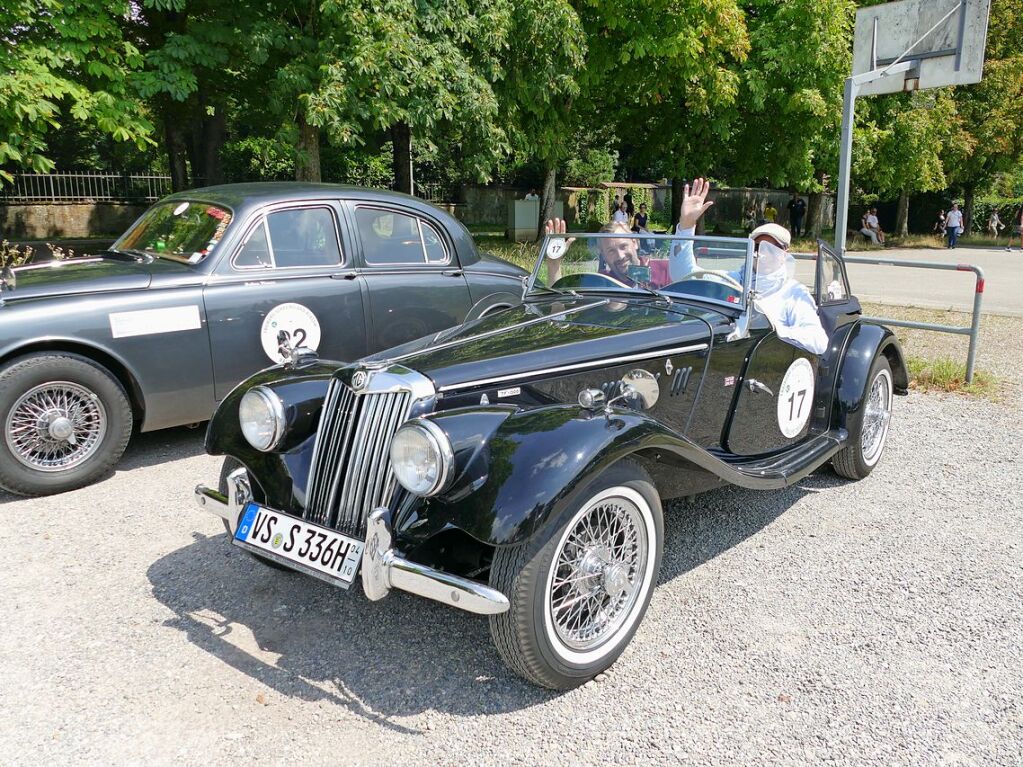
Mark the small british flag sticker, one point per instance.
(729, 380)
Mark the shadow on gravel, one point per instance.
(404, 655)
(150, 449)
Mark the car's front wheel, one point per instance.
(66, 421)
(869, 426)
(580, 587)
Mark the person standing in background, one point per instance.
(629, 207)
(939, 225)
(1017, 224)
(954, 225)
(770, 213)
(994, 225)
(797, 211)
(620, 216)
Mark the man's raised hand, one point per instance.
(694, 203)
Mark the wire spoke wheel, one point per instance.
(55, 426)
(876, 417)
(594, 585)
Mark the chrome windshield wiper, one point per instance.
(555, 291)
(139, 255)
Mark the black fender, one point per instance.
(515, 470)
(866, 341)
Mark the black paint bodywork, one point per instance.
(179, 377)
(507, 388)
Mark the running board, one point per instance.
(789, 466)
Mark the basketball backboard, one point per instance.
(944, 38)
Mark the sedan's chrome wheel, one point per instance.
(602, 569)
(877, 416)
(55, 426)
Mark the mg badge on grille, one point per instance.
(359, 380)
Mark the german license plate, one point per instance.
(318, 551)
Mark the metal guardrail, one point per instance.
(973, 330)
(87, 186)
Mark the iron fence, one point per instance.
(85, 186)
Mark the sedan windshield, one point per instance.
(711, 268)
(179, 230)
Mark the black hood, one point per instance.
(97, 274)
(550, 334)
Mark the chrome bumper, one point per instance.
(383, 568)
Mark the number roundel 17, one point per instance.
(795, 398)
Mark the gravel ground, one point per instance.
(870, 623)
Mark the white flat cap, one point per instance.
(777, 233)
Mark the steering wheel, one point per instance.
(713, 275)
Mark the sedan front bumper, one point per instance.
(383, 567)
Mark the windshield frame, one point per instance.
(746, 243)
(202, 263)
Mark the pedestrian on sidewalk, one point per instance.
(797, 210)
(1017, 222)
(954, 225)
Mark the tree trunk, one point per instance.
(968, 198)
(902, 215)
(174, 140)
(550, 178)
(815, 210)
(214, 134)
(401, 157)
(307, 159)
(677, 189)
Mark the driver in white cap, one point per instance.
(784, 300)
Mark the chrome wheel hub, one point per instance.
(877, 415)
(598, 572)
(55, 426)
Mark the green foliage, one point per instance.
(591, 167)
(1007, 207)
(76, 55)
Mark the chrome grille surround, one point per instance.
(350, 469)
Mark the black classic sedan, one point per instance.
(516, 466)
(198, 295)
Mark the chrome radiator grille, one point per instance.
(350, 472)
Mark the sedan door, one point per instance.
(290, 274)
(415, 284)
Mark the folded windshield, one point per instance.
(180, 230)
(717, 269)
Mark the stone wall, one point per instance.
(66, 220)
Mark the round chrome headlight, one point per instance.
(421, 457)
(261, 415)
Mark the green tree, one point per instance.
(418, 71)
(681, 97)
(992, 120)
(73, 55)
(791, 95)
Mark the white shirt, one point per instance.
(954, 218)
(791, 309)
(872, 221)
(620, 217)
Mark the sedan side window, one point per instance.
(390, 238)
(298, 237)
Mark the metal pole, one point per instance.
(978, 294)
(845, 164)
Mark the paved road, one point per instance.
(1003, 292)
(871, 623)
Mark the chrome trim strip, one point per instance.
(489, 333)
(607, 361)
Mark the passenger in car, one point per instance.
(785, 302)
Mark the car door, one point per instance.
(289, 274)
(413, 278)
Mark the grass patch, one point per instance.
(948, 375)
(519, 253)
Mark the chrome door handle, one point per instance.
(758, 388)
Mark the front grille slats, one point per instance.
(350, 473)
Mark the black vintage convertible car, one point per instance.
(515, 466)
(187, 303)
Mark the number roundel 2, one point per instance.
(297, 321)
(795, 398)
